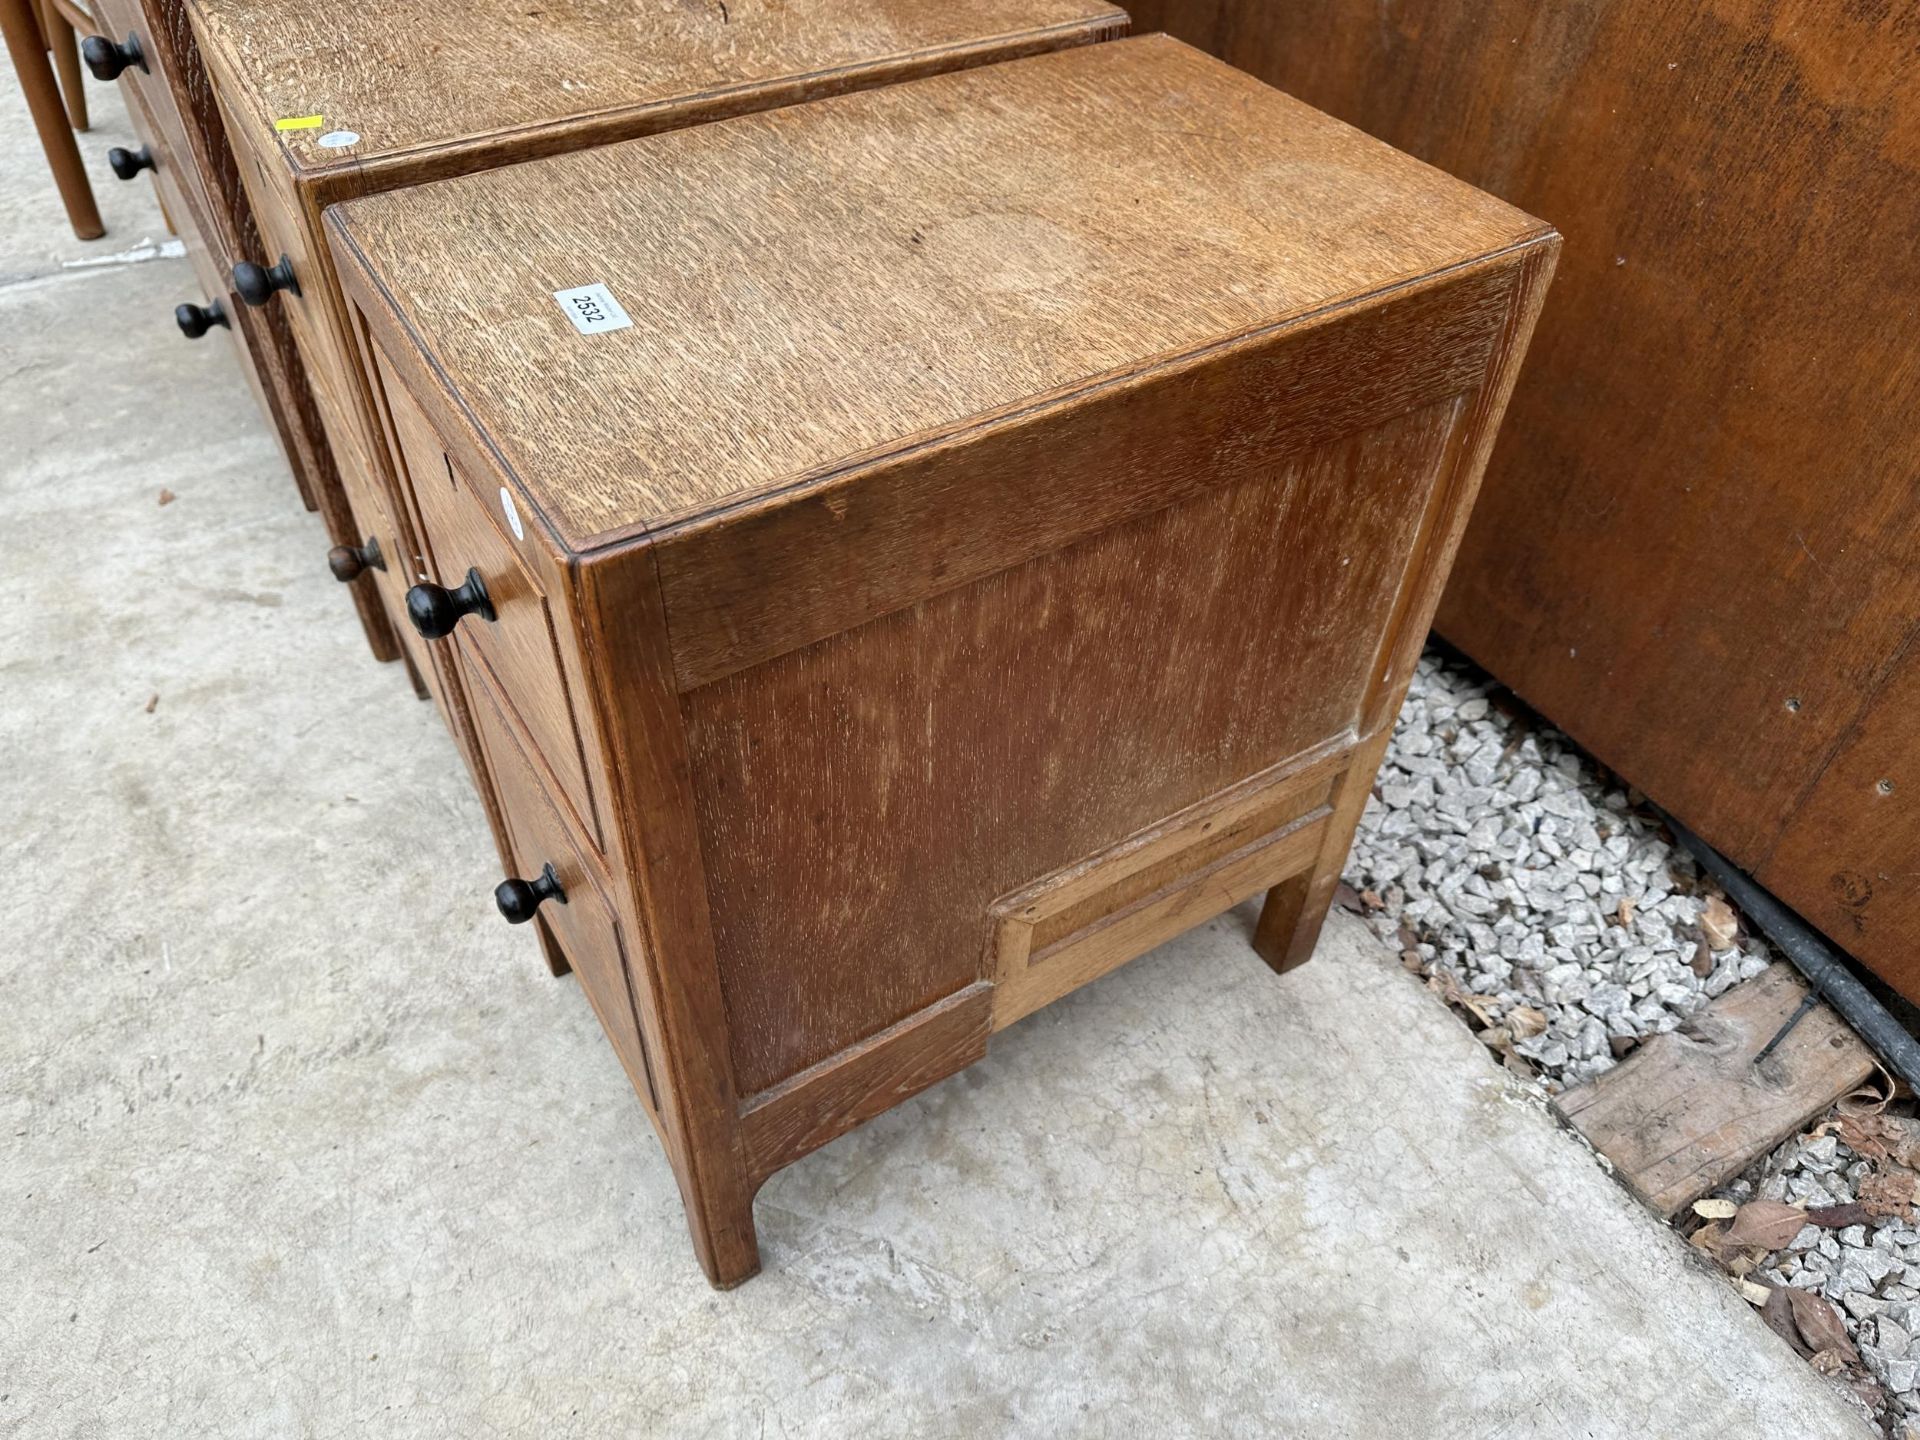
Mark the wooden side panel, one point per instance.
(1698, 546)
(1849, 860)
(863, 802)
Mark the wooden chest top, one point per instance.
(820, 287)
(418, 81)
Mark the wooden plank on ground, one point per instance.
(1689, 1109)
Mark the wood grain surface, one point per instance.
(929, 762)
(1849, 858)
(812, 288)
(1698, 548)
(422, 82)
(1689, 1110)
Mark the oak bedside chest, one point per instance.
(147, 46)
(324, 102)
(912, 552)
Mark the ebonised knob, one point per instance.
(255, 284)
(195, 320)
(350, 562)
(105, 60)
(127, 163)
(435, 610)
(518, 899)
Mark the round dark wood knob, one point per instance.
(105, 60)
(350, 562)
(127, 163)
(195, 320)
(518, 899)
(435, 610)
(255, 284)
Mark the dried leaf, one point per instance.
(1346, 897)
(1371, 899)
(1702, 960)
(152, 700)
(1872, 1137)
(1622, 1045)
(1766, 1224)
(1715, 1209)
(1520, 1066)
(1624, 914)
(1481, 1007)
(1828, 1362)
(1839, 1217)
(1778, 1314)
(1711, 1237)
(1526, 1022)
(1887, 1193)
(1719, 924)
(1447, 986)
(1820, 1326)
(1873, 1097)
(167, 497)
(1756, 1295)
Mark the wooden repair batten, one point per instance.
(999, 539)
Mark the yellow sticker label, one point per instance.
(300, 122)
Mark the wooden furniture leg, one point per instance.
(57, 25)
(28, 52)
(1295, 909)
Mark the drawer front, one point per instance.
(584, 927)
(520, 646)
(152, 90)
(210, 270)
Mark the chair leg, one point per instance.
(25, 46)
(66, 62)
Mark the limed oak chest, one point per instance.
(912, 552)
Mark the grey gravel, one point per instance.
(1497, 856)
(1871, 1271)
(1504, 855)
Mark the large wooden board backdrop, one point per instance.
(1698, 546)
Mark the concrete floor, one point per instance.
(300, 1140)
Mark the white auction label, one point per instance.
(512, 512)
(592, 309)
